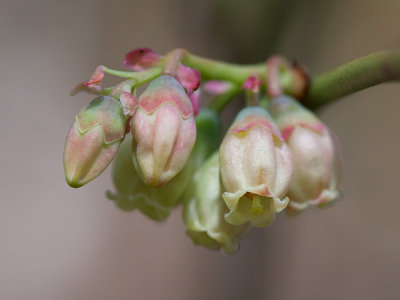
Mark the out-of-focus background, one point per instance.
(62, 243)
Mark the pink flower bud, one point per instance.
(316, 155)
(256, 168)
(93, 140)
(164, 131)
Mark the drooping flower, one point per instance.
(256, 168)
(93, 140)
(164, 131)
(316, 155)
(204, 210)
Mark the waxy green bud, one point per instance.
(204, 211)
(93, 140)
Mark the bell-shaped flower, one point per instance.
(316, 155)
(204, 210)
(164, 131)
(256, 168)
(93, 140)
(157, 202)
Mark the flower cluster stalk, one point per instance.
(276, 155)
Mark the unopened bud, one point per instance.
(93, 140)
(164, 131)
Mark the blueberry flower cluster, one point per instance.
(168, 152)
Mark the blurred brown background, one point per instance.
(61, 243)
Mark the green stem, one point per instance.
(214, 69)
(354, 76)
(139, 77)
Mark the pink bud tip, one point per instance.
(287, 132)
(140, 59)
(252, 83)
(96, 78)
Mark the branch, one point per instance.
(354, 76)
(214, 69)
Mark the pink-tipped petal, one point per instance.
(287, 132)
(96, 78)
(172, 91)
(140, 59)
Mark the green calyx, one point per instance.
(106, 112)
